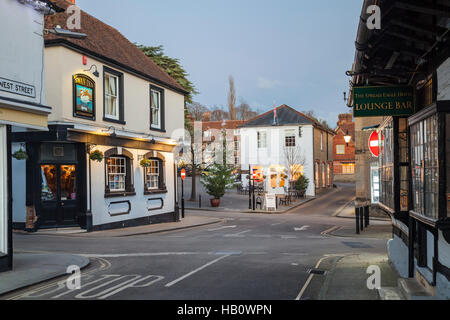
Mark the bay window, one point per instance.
(430, 154)
(154, 174)
(118, 173)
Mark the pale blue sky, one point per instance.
(293, 52)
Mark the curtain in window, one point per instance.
(111, 96)
(155, 107)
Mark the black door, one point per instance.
(58, 197)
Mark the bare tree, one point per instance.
(232, 100)
(197, 110)
(245, 112)
(294, 161)
(219, 114)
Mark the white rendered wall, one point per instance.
(139, 207)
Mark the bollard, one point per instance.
(357, 220)
(200, 201)
(361, 218)
(366, 216)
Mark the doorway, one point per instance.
(59, 201)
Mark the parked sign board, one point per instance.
(383, 101)
(271, 201)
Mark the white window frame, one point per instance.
(3, 193)
(108, 95)
(153, 125)
(119, 174)
(340, 149)
(260, 141)
(290, 133)
(153, 175)
(321, 141)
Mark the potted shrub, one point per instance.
(301, 185)
(96, 155)
(219, 179)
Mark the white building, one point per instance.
(283, 143)
(23, 105)
(108, 98)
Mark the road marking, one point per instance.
(276, 224)
(221, 228)
(309, 279)
(304, 228)
(261, 236)
(196, 270)
(104, 265)
(237, 235)
(288, 237)
(148, 254)
(326, 232)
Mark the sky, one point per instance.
(292, 52)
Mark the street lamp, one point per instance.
(347, 138)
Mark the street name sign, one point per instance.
(383, 101)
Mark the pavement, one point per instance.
(31, 269)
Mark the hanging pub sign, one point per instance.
(383, 101)
(83, 97)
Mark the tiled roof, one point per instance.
(105, 42)
(285, 116)
(227, 124)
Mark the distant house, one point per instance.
(344, 153)
(283, 143)
(213, 132)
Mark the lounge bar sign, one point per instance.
(17, 88)
(383, 101)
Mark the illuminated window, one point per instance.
(340, 149)
(348, 168)
(116, 168)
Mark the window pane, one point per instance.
(68, 183)
(49, 186)
(116, 168)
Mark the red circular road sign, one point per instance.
(183, 174)
(374, 144)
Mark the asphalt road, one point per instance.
(250, 256)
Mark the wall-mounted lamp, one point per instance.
(95, 73)
(347, 138)
(66, 33)
(113, 134)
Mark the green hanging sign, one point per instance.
(383, 101)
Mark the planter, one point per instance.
(215, 203)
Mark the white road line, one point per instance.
(196, 270)
(326, 232)
(239, 234)
(221, 228)
(304, 228)
(309, 279)
(149, 254)
(276, 224)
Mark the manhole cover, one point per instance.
(356, 245)
(316, 271)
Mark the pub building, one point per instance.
(402, 74)
(106, 161)
(23, 106)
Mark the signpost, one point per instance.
(383, 101)
(374, 144)
(183, 176)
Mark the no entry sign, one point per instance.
(183, 174)
(373, 144)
